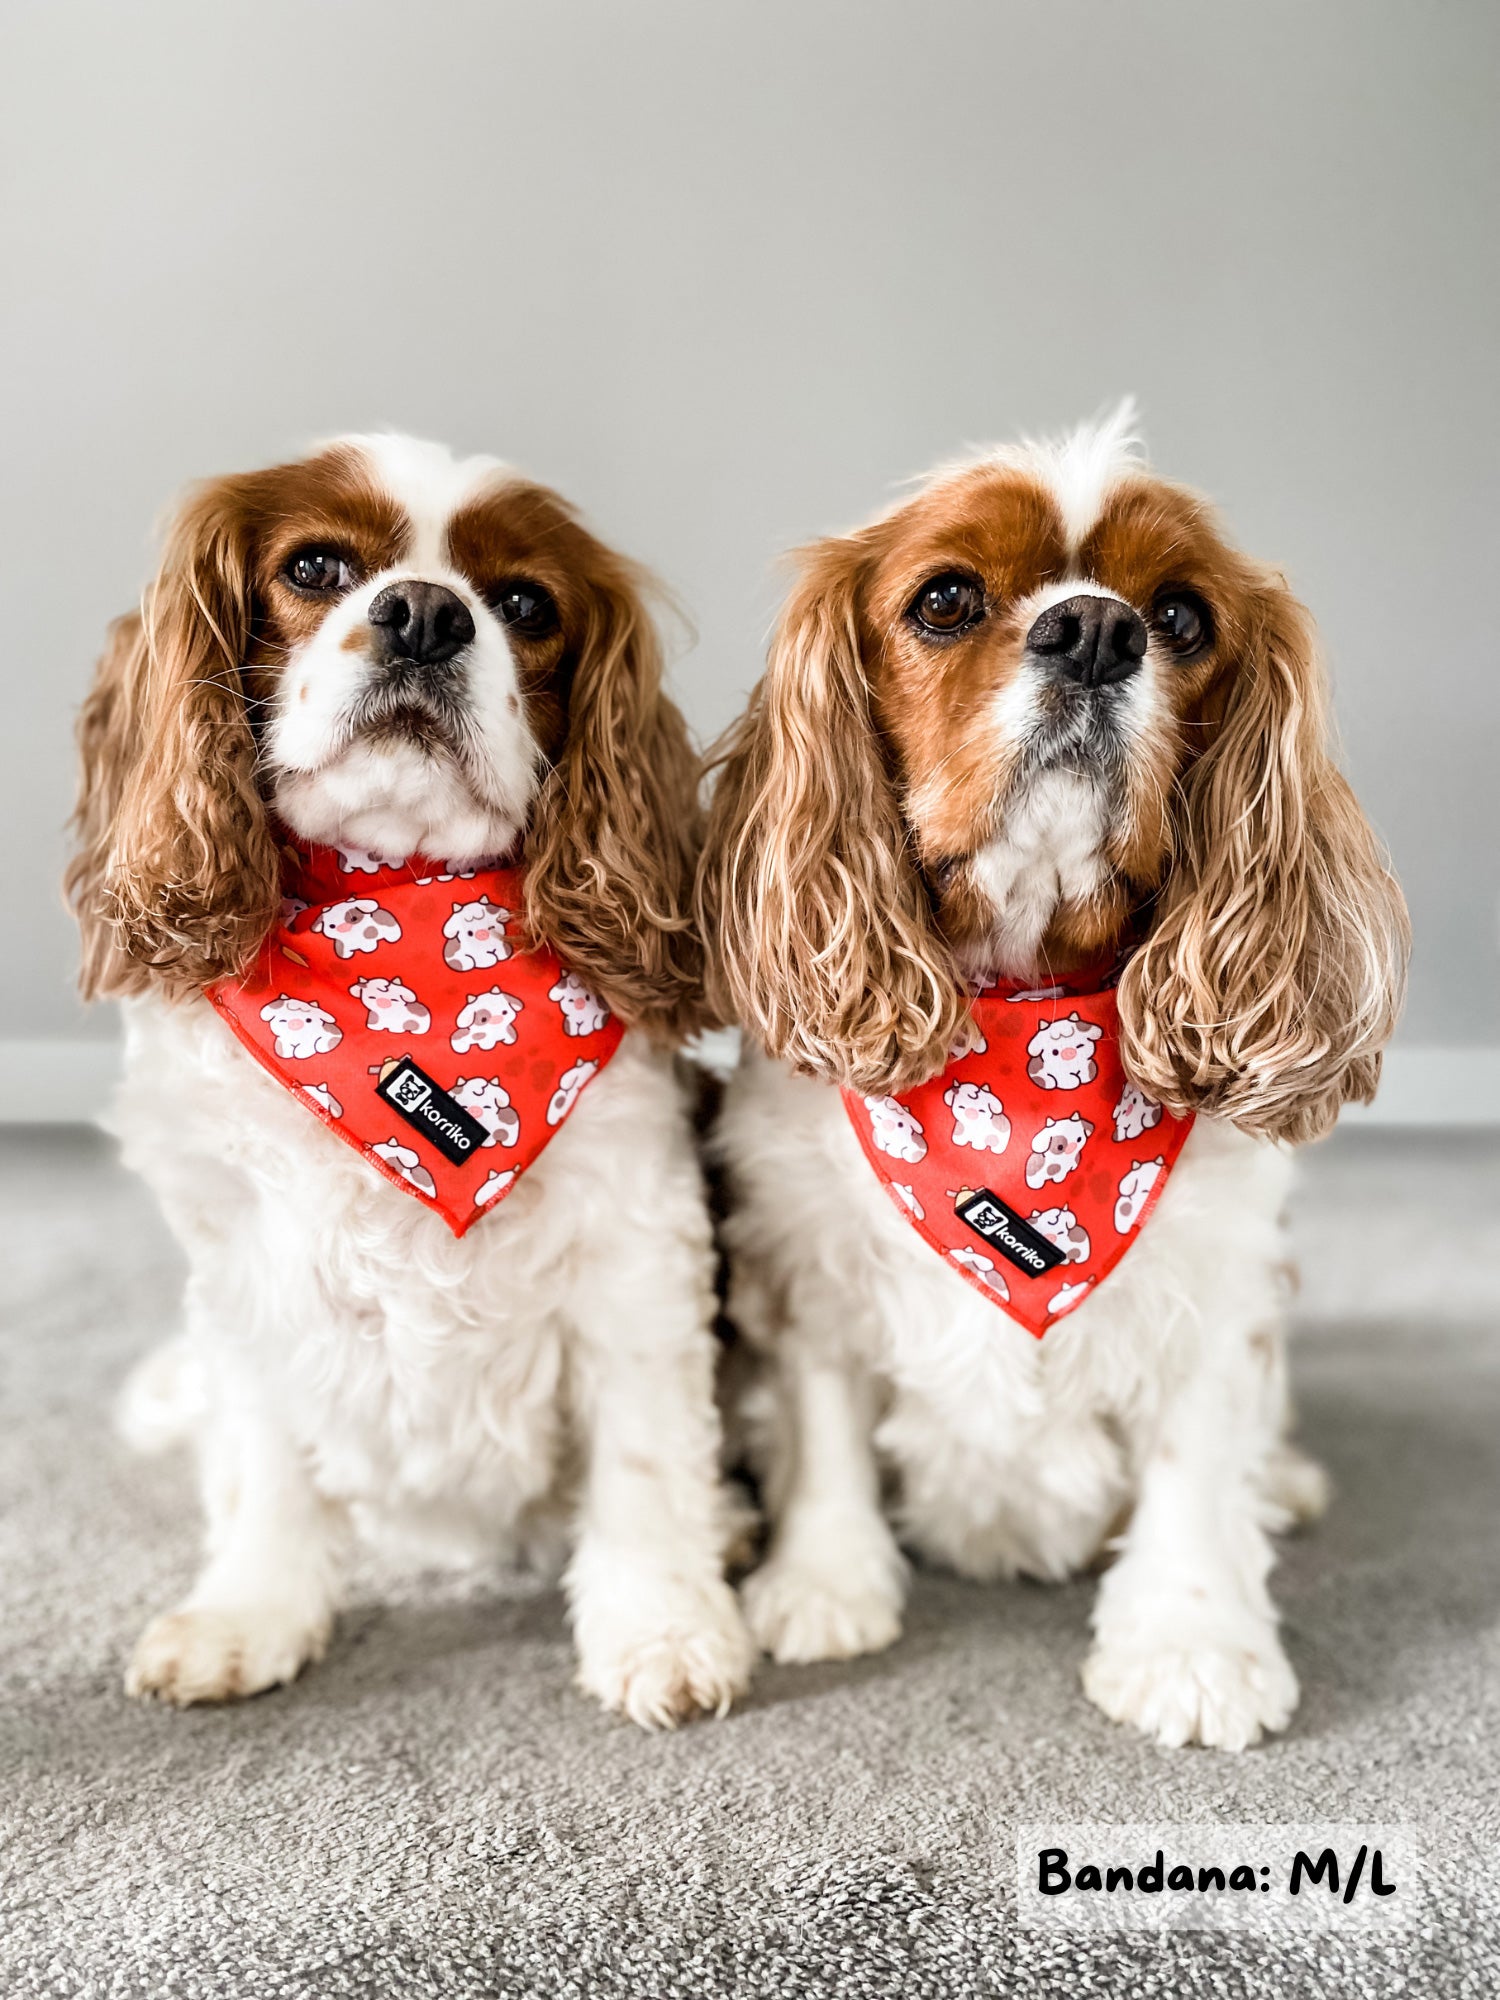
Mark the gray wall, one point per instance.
(723, 272)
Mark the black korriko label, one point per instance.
(997, 1222)
(428, 1108)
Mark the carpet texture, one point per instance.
(434, 1810)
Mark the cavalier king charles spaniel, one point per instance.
(1038, 717)
(382, 648)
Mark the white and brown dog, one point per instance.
(1039, 712)
(397, 652)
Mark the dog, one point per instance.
(1039, 722)
(386, 651)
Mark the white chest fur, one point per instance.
(1050, 853)
(422, 1373)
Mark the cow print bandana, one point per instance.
(400, 1002)
(1031, 1164)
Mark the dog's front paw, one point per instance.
(1224, 1695)
(223, 1652)
(803, 1608)
(668, 1657)
(1296, 1488)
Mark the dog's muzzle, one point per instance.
(1092, 641)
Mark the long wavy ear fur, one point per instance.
(1274, 972)
(175, 878)
(615, 836)
(821, 938)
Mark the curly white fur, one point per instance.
(1012, 1455)
(544, 1383)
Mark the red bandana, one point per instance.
(397, 1001)
(1036, 1224)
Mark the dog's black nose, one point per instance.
(425, 623)
(1092, 639)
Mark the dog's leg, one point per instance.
(263, 1604)
(834, 1583)
(658, 1629)
(1186, 1646)
(1296, 1487)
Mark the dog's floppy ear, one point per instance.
(614, 839)
(1274, 970)
(175, 878)
(821, 937)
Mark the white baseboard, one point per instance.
(56, 1083)
(69, 1082)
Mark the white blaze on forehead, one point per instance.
(1079, 469)
(429, 484)
(1083, 467)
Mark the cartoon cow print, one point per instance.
(979, 1118)
(321, 1094)
(1064, 1231)
(302, 1029)
(983, 1268)
(465, 871)
(1135, 1113)
(907, 1196)
(894, 1129)
(1067, 1296)
(1056, 1149)
(569, 1085)
(476, 936)
(975, 1045)
(493, 1187)
(358, 861)
(391, 1006)
(291, 908)
(487, 1019)
(1135, 1192)
(483, 1098)
(407, 1165)
(1036, 993)
(582, 1011)
(461, 871)
(358, 925)
(1062, 1054)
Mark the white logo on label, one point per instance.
(409, 1091)
(995, 1228)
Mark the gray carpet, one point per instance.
(435, 1811)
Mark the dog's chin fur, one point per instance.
(545, 1383)
(1157, 1407)
(399, 789)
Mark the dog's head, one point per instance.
(400, 652)
(1041, 710)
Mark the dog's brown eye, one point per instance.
(946, 604)
(526, 608)
(318, 570)
(1181, 618)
